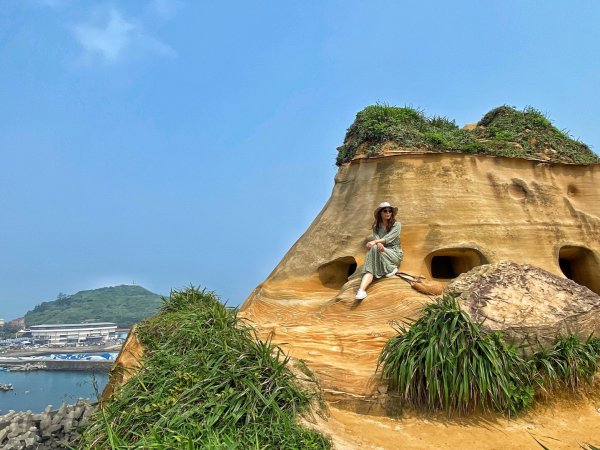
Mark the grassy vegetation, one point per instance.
(504, 131)
(206, 382)
(528, 133)
(445, 361)
(569, 363)
(123, 305)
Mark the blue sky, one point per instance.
(173, 142)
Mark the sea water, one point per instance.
(37, 389)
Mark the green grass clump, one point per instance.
(569, 362)
(206, 382)
(528, 133)
(380, 123)
(445, 361)
(504, 131)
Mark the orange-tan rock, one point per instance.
(457, 211)
(127, 363)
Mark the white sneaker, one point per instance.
(360, 294)
(392, 273)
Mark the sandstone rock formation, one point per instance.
(126, 364)
(457, 211)
(526, 303)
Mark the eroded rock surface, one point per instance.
(457, 212)
(127, 364)
(526, 302)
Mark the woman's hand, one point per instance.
(370, 244)
(380, 247)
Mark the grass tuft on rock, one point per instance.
(206, 382)
(569, 362)
(504, 131)
(445, 362)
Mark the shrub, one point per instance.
(206, 382)
(444, 361)
(569, 362)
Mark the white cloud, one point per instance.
(114, 37)
(109, 40)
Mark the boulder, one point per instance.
(526, 303)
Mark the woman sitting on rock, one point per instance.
(383, 251)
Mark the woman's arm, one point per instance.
(392, 235)
(373, 240)
(378, 242)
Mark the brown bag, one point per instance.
(419, 283)
(427, 287)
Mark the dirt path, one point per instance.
(561, 425)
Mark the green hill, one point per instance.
(123, 305)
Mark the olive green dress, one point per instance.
(382, 263)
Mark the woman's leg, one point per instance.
(367, 279)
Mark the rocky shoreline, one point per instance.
(28, 367)
(67, 349)
(51, 429)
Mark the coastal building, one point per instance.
(122, 333)
(18, 323)
(70, 333)
(1, 322)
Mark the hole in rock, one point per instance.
(451, 262)
(335, 273)
(572, 190)
(581, 265)
(518, 190)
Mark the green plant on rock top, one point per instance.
(503, 131)
(207, 381)
(377, 124)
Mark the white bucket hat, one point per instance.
(384, 205)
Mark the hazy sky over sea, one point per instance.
(170, 143)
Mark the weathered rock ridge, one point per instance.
(526, 303)
(457, 212)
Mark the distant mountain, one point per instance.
(123, 305)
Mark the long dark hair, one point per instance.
(379, 221)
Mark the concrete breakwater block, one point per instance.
(47, 430)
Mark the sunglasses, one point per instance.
(387, 210)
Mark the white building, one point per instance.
(70, 333)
